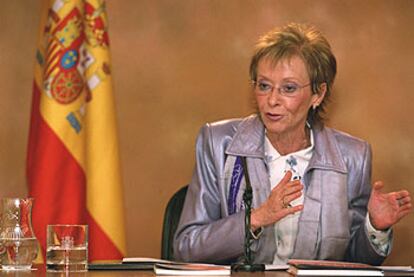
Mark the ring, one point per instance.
(400, 202)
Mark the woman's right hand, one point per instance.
(277, 205)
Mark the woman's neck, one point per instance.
(291, 142)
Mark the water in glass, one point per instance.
(66, 259)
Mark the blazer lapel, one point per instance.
(327, 158)
(307, 236)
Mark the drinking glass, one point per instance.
(67, 248)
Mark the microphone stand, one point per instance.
(247, 265)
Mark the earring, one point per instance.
(314, 106)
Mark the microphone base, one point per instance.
(247, 267)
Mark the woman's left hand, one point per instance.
(386, 209)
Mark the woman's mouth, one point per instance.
(274, 116)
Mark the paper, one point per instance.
(335, 272)
(191, 269)
(276, 267)
(331, 268)
(145, 260)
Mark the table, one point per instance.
(40, 271)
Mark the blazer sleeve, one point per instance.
(203, 233)
(360, 248)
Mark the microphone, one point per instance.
(247, 264)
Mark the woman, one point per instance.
(312, 196)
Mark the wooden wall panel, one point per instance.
(179, 64)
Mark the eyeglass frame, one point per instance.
(255, 84)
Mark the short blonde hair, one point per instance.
(311, 46)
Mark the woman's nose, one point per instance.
(274, 97)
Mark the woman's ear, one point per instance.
(318, 97)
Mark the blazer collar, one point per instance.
(326, 152)
(249, 138)
(249, 141)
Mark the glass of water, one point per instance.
(67, 248)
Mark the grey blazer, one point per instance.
(331, 225)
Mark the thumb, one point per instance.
(377, 186)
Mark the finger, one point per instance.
(289, 194)
(406, 206)
(403, 193)
(290, 210)
(286, 178)
(293, 183)
(293, 189)
(394, 196)
(292, 197)
(403, 213)
(294, 209)
(404, 200)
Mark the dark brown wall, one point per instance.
(178, 64)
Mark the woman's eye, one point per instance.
(289, 88)
(264, 86)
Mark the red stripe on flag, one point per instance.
(56, 181)
(51, 46)
(58, 185)
(100, 246)
(50, 70)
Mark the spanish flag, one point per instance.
(73, 168)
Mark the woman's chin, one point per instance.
(275, 129)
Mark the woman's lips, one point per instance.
(274, 117)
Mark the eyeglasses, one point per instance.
(288, 89)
